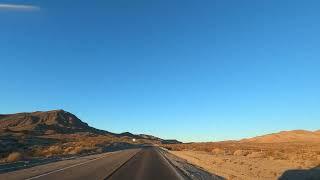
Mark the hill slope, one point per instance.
(58, 121)
(286, 136)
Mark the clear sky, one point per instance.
(192, 70)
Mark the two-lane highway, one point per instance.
(146, 163)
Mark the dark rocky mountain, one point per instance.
(163, 141)
(170, 141)
(150, 137)
(58, 122)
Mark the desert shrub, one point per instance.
(283, 156)
(55, 150)
(99, 150)
(14, 156)
(77, 150)
(218, 151)
(206, 149)
(228, 152)
(256, 154)
(240, 152)
(52, 150)
(68, 150)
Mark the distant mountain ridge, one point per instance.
(164, 141)
(58, 121)
(286, 136)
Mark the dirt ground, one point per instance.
(250, 161)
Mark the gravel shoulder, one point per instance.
(193, 172)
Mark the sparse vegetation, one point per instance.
(14, 156)
(60, 144)
(242, 160)
(240, 152)
(31, 136)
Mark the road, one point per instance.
(148, 164)
(145, 163)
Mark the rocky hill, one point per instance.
(57, 122)
(59, 133)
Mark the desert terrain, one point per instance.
(284, 155)
(34, 136)
(51, 136)
(58, 145)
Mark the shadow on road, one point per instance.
(301, 174)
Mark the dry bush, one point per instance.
(257, 154)
(79, 150)
(99, 150)
(52, 150)
(218, 151)
(14, 156)
(55, 149)
(75, 150)
(240, 152)
(278, 155)
(68, 150)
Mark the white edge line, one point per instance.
(58, 170)
(175, 170)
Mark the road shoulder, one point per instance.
(190, 171)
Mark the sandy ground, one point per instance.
(191, 171)
(242, 164)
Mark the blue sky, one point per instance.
(190, 70)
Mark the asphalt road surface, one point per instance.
(135, 164)
(148, 164)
